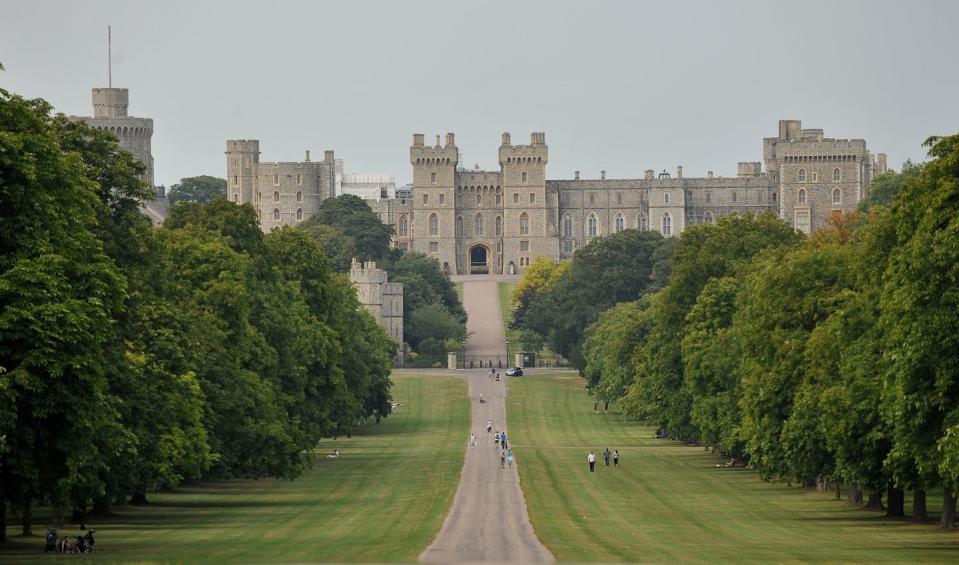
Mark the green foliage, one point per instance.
(338, 247)
(201, 190)
(353, 217)
(884, 188)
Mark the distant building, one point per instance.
(383, 299)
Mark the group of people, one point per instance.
(501, 442)
(70, 544)
(607, 455)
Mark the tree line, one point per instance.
(134, 358)
(827, 360)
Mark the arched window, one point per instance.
(708, 218)
(665, 198)
(592, 225)
(404, 226)
(299, 213)
(802, 175)
(802, 195)
(836, 195)
(434, 225)
(276, 196)
(667, 224)
(459, 226)
(620, 222)
(478, 225)
(499, 225)
(567, 226)
(835, 174)
(299, 196)
(479, 199)
(734, 196)
(276, 213)
(524, 224)
(642, 222)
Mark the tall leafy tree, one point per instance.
(201, 190)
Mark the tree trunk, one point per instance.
(3, 519)
(27, 520)
(855, 494)
(919, 505)
(838, 491)
(875, 500)
(139, 497)
(895, 501)
(101, 506)
(948, 509)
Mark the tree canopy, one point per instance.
(201, 190)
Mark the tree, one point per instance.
(201, 190)
(425, 284)
(884, 188)
(352, 216)
(338, 247)
(539, 277)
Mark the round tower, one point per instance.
(110, 102)
(242, 158)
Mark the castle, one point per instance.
(383, 299)
(479, 222)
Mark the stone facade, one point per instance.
(477, 222)
(383, 299)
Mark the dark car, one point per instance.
(514, 372)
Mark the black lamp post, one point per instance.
(507, 353)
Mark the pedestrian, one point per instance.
(606, 456)
(595, 407)
(502, 440)
(502, 459)
(472, 440)
(616, 458)
(591, 459)
(496, 438)
(489, 426)
(509, 458)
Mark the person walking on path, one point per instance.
(509, 458)
(472, 440)
(591, 459)
(615, 458)
(502, 440)
(502, 459)
(489, 426)
(606, 456)
(496, 438)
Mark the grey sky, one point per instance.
(621, 86)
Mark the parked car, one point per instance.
(514, 372)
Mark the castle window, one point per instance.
(835, 174)
(478, 225)
(234, 161)
(524, 245)
(276, 196)
(276, 214)
(258, 214)
(432, 178)
(642, 222)
(567, 246)
(299, 179)
(299, 196)
(836, 196)
(276, 180)
(459, 198)
(236, 180)
(802, 220)
(708, 218)
(762, 196)
(258, 196)
(524, 177)
(667, 224)
(524, 224)
(802, 175)
(774, 197)
(665, 198)
(592, 226)
(442, 199)
(499, 199)
(515, 198)
(404, 226)
(383, 193)
(459, 226)
(592, 198)
(434, 225)
(709, 197)
(426, 199)
(619, 198)
(734, 196)
(815, 176)
(499, 225)
(299, 213)
(620, 222)
(434, 247)
(479, 199)
(802, 195)
(532, 198)
(567, 226)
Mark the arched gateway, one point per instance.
(479, 260)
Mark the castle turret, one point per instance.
(434, 179)
(242, 156)
(530, 221)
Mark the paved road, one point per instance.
(485, 324)
(488, 521)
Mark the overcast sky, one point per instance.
(620, 86)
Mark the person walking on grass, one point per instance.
(591, 459)
(615, 458)
(502, 459)
(509, 458)
(606, 456)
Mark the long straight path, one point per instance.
(488, 522)
(487, 338)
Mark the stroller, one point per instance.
(51, 541)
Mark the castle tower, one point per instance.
(434, 178)
(529, 220)
(134, 134)
(242, 158)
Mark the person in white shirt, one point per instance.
(472, 440)
(592, 461)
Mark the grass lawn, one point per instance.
(670, 503)
(384, 500)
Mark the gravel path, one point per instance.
(488, 521)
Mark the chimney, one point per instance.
(506, 138)
(575, 175)
(679, 172)
(602, 175)
(449, 139)
(709, 175)
(328, 156)
(648, 175)
(437, 141)
(307, 159)
(418, 140)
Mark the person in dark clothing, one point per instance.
(606, 456)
